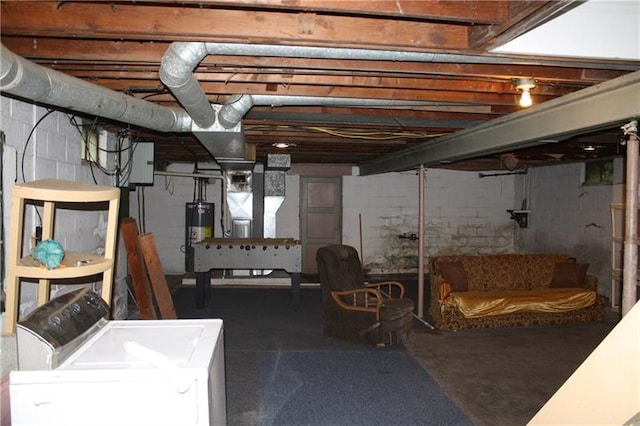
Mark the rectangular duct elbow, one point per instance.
(226, 146)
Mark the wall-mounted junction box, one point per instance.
(142, 163)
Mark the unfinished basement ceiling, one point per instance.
(458, 84)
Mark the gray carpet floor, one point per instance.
(351, 388)
(496, 376)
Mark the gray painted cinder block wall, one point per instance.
(568, 216)
(464, 214)
(53, 151)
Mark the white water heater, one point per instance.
(199, 219)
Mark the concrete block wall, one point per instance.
(386, 206)
(569, 217)
(164, 206)
(52, 151)
(463, 214)
(165, 203)
(467, 213)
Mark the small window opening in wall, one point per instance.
(598, 172)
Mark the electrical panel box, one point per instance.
(142, 163)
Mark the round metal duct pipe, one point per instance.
(234, 110)
(182, 58)
(26, 79)
(176, 72)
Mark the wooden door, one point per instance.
(320, 217)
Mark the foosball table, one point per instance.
(246, 253)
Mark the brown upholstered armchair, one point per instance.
(376, 313)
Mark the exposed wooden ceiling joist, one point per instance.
(120, 44)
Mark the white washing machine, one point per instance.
(151, 372)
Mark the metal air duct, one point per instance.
(234, 110)
(182, 58)
(176, 72)
(23, 78)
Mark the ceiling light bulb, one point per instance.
(525, 99)
(525, 85)
(283, 145)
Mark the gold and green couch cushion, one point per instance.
(503, 290)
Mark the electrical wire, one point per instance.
(84, 136)
(369, 135)
(26, 143)
(121, 172)
(168, 182)
(375, 135)
(24, 152)
(93, 175)
(141, 209)
(124, 171)
(95, 162)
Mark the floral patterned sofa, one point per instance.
(478, 291)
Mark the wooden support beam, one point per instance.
(157, 22)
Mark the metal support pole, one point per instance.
(421, 185)
(630, 270)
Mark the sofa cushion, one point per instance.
(473, 268)
(567, 275)
(475, 304)
(539, 268)
(505, 272)
(454, 274)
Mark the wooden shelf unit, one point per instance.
(75, 264)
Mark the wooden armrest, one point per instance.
(370, 300)
(387, 287)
